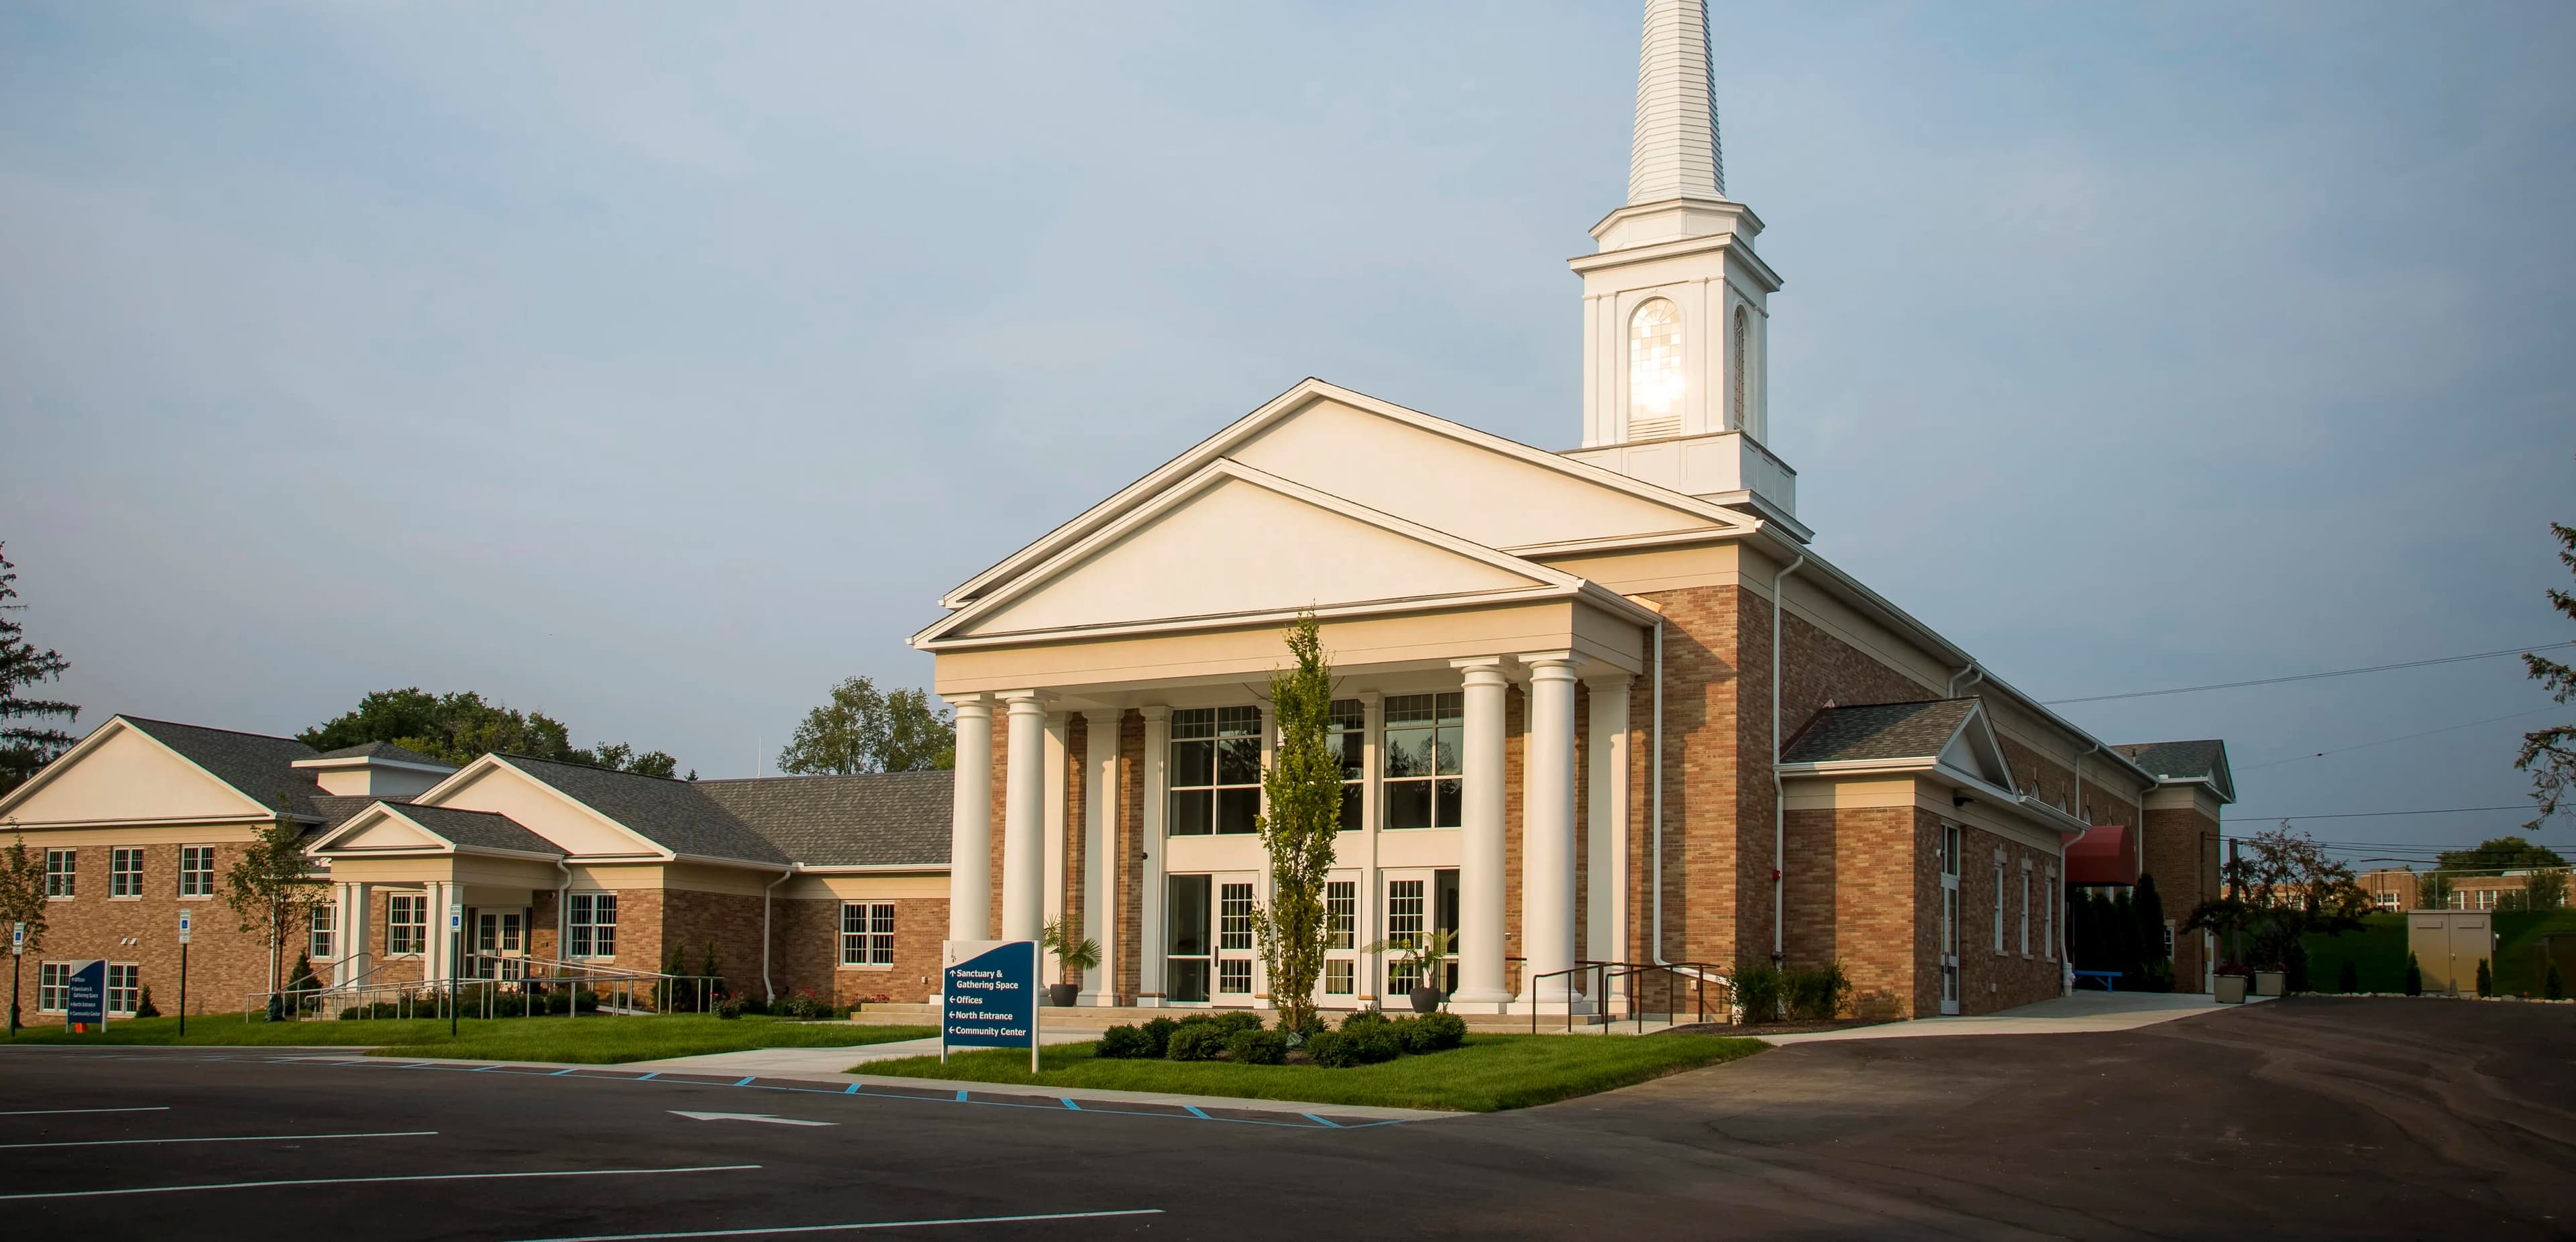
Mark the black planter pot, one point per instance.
(1061, 995)
(1426, 1000)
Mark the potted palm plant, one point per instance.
(1070, 954)
(1426, 958)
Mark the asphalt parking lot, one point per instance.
(2307, 1118)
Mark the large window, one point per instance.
(406, 924)
(1415, 909)
(867, 933)
(1216, 770)
(1423, 743)
(54, 987)
(124, 988)
(1186, 965)
(1999, 901)
(593, 925)
(1234, 931)
(196, 871)
(2049, 896)
(61, 875)
(1655, 370)
(2025, 907)
(125, 871)
(1348, 738)
(319, 940)
(1342, 912)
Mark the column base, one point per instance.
(1579, 1006)
(1093, 1000)
(1488, 1000)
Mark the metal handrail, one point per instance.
(1700, 974)
(363, 996)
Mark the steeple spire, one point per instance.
(1677, 154)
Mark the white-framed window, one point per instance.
(406, 924)
(196, 871)
(319, 942)
(867, 933)
(592, 922)
(124, 988)
(1342, 912)
(1234, 916)
(1347, 735)
(1655, 379)
(1339, 978)
(2049, 897)
(54, 987)
(62, 874)
(1999, 902)
(2025, 907)
(1405, 921)
(1216, 771)
(2169, 940)
(1234, 976)
(1424, 741)
(125, 871)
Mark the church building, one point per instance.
(1600, 705)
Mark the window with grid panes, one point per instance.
(1234, 916)
(1423, 737)
(1342, 910)
(1215, 770)
(1404, 924)
(1234, 976)
(320, 943)
(196, 871)
(124, 988)
(125, 871)
(867, 933)
(593, 925)
(1347, 735)
(1339, 979)
(54, 987)
(406, 924)
(61, 874)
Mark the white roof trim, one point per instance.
(466, 775)
(1305, 392)
(1551, 582)
(119, 724)
(364, 761)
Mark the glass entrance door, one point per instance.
(1949, 919)
(1188, 961)
(500, 944)
(1236, 950)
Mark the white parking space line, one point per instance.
(56, 1112)
(362, 1181)
(228, 1138)
(865, 1224)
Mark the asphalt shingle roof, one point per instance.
(488, 829)
(2202, 760)
(877, 819)
(337, 809)
(382, 750)
(1879, 731)
(672, 814)
(260, 767)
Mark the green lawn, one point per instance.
(1492, 1072)
(587, 1040)
(2379, 951)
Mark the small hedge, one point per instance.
(1365, 1039)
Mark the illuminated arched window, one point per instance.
(1655, 370)
(1738, 369)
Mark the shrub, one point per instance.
(2414, 977)
(1159, 1031)
(1196, 1041)
(1363, 1018)
(1816, 994)
(2486, 980)
(1760, 988)
(730, 1008)
(2553, 987)
(805, 1004)
(1232, 1022)
(1435, 1032)
(2348, 980)
(144, 1008)
(1372, 1044)
(1257, 1047)
(1125, 1043)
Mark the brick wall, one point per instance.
(1857, 887)
(225, 964)
(2181, 848)
(1131, 857)
(1988, 980)
(809, 953)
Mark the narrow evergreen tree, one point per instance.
(26, 745)
(2486, 979)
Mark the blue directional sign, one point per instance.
(88, 1001)
(989, 995)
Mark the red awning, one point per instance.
(2102, 856)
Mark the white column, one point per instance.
(355, 952)
(1024, 818)
(970, 824)
(1058, 823)
(1606, 824)
(1370, 967)
(1100, 852)
(1480, 852)
(1547, 832)
(1151, 944)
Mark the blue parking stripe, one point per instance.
(746, 1080)
(1068, 1103)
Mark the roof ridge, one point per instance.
(131, 718)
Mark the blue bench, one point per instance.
(2110, 979)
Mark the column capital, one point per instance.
(970, 704)
(1156, 711)
(1484, 670)
(1553, 665)
(1097, 716)
(1613, 680)
(1024, 702)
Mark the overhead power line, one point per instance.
(2447, 810)
(2403, 738)
(2341, 672)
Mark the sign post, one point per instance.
(455, 950)
(17, 954)
(989, 996)
(184, 913)
(87, 1005)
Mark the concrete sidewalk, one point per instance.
(830, 1062)
(2063, 1015)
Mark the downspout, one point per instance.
(769, 992)
(1973, 667)
(1656, 797)
(1779, 799)
(563, 915)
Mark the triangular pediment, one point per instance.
(1447, 476)
(1233, 541)
(119, 773)
(1975, 751)
(380, 829)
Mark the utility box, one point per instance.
(2448, 945)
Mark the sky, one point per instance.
(657, 365)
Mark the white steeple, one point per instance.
(1676, 314)
(1677, 153)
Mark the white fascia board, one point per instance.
(652, 848)
(1234, 620)
(362, 761)
(57, 825)
(1302, 393)
(748, 864)
(1865, 767)
(368, 814)
(874, 869)
(1622, 543)
(936, 636)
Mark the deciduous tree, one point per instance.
(460, 728)
(26, 743)
(864, 729)
(1304, 790)
(2550, 754)
(273, 888)
(2281, 887)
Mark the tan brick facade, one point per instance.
(225, 963)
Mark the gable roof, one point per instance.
(878, 819)
(1879, 731)
(382, 750)
(669, 813)
(1688, 510)
(2204, 760)
(476, 829)
(257, 766)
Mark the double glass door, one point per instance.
(500, 944)
(1420, 904)
(1211, 950)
